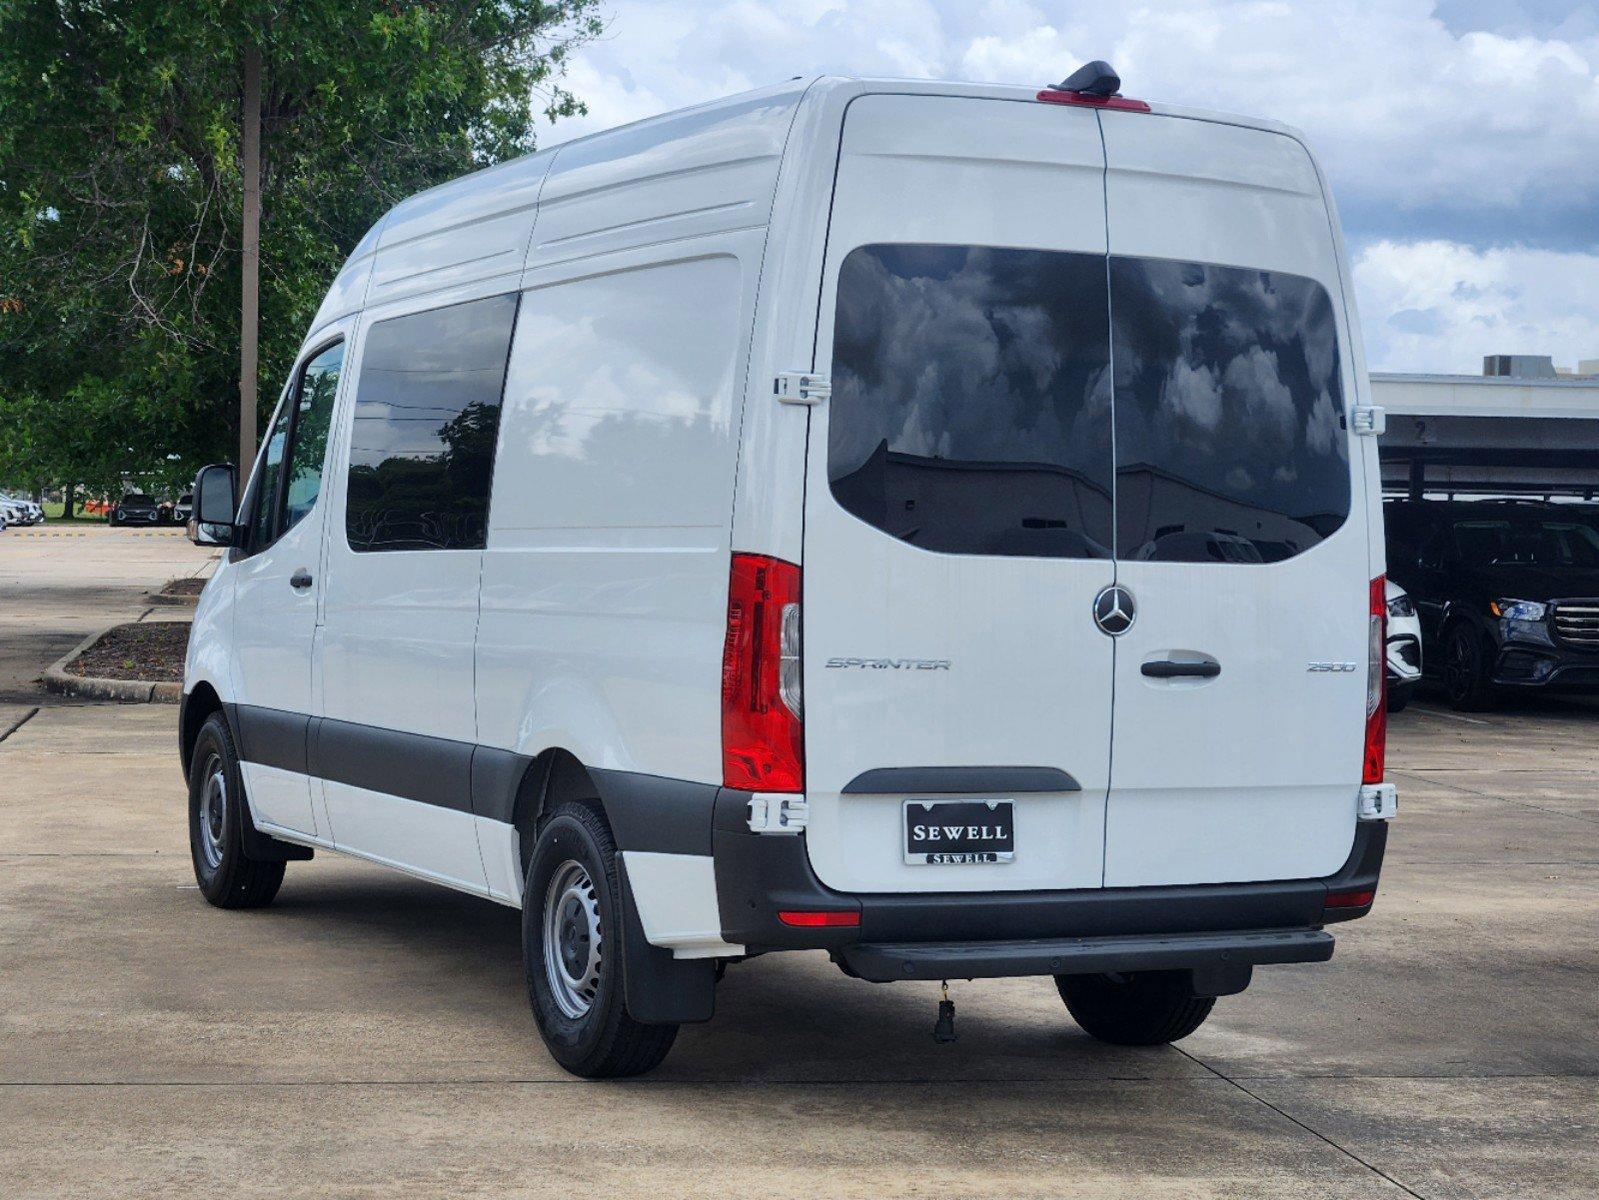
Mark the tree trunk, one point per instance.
(66, 499)
(250, 140)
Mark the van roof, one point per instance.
(507, 193)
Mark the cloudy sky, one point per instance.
(1461, 136)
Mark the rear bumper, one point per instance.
(1022, 933)
(884, 963)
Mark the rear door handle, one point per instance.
(1165, 668)
(300, 580)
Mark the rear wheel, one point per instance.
(227, 875)
(572, 952)
(1144, 1008)
(1465, 678)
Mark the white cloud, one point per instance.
(1475, 128)
(1402, 110)
(1441, 306)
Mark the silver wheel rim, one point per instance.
(213, 812)
(572, 947)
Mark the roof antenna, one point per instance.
(1097, 78)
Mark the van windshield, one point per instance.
(978, 406)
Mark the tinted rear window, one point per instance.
(972, 405)
(1230, 441)
(971, 399)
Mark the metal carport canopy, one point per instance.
(1475, 434)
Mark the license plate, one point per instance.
(939, 832)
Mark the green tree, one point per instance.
(120, 194)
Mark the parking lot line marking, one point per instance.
(1449, 716)
(1460, 787)
(19, 723)
(1310, 1129)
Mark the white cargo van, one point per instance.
(930, 523)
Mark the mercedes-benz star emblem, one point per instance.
(1115, 610)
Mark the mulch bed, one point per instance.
(152, 651)
(184, 587)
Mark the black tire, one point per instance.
(1466, 685)
(1146, 1008)
(227, 875)
(1398, 698)
(586, 1028)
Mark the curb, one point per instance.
(90, 687)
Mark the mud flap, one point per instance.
(263, 847)
(658, 988)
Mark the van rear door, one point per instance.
(1237, 536)
(958, 503)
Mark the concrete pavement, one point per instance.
(61, 583)
(368, 1035)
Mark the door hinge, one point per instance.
(778, 813)
(801, 387)
(1378, 802)
(1369, 419)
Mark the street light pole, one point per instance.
(249, 324)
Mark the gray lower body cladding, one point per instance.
(760, 875)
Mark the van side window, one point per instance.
(264, 487)
(1230, 437)
(427, 415)
(621, 407)
(971, 399)
(313, 417)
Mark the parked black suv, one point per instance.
(135, 508)
(1507, 592)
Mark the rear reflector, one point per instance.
(1350, 899)
(762, 737)
(815, 920)
(1376, 682)
(1119, 103)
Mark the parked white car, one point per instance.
(712, 538)
(19, 510)
(32, 510)
(1404, 647)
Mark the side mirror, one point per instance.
(211, 521)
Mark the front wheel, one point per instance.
(1144, 1008)
(1465, 679)
(572, 952)
(227, 875)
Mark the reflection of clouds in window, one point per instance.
(970, 408)
(1252, 381)
(1322, 425)
(1192, 392)
(621, 399)
(1229, 409)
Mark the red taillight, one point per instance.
(1120, 103)
(1376, 682)
(817, 920)
(762, 743)
(1359, 899)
